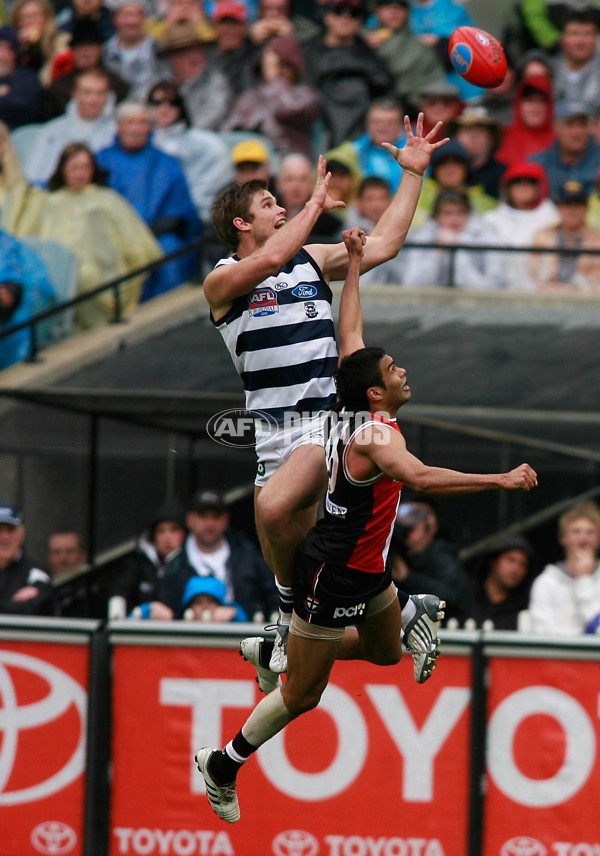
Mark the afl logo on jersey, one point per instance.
(263, 301)
(305, 291)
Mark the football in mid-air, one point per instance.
(477, 56)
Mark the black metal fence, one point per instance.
(115, 284)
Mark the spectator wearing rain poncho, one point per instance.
(104, 233)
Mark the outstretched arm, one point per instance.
(389, 235)
(350, 332)
(387, 449)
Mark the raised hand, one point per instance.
(418, 149)
(319, 194)
(581, 562)
(355, 240)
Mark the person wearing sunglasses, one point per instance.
(203, 156)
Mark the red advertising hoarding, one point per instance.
(380, 769)
(543, 793)
(43, 701)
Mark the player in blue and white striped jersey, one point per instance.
(272, 304)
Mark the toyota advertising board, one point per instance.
(43, 702)
(543, 762)
(380, 769)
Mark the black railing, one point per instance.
(112, 285)
(453, 249)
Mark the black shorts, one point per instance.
(333, 595)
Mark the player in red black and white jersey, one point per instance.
(341, 610)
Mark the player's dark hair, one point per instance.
(355, 375)
(234, 201)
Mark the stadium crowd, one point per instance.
(119, 125)
(136, 113)
(190, 563)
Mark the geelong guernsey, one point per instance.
(282, 340)
(359, 516)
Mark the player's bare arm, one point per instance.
(350, 328)
(390, 233)
(262, 253)
(386, 449)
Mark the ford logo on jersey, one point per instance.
(262, 301)
(305, 291)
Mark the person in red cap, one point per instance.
(234, 53)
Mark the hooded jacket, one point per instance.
(148, 577)
(283, 112)
(520, 141)
(562, 605)
(517, 228)
(504, 615)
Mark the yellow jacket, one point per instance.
(105, 234)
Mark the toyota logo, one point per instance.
(522, 845)
(53, 838)
(295, 842)
(54, 701)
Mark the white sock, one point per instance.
(286, 603)
(409, 610)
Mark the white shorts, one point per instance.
(275, 447)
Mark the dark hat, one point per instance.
(510, 542)
(339, 166)
(203, 585)
(179, 37)
(451, 151)
(502, 544)
(358, 7)
(9, 34)
(572, 109)
(85, 32)
(170, 510)
(10, 514)
(208, 500)
(572, 191)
